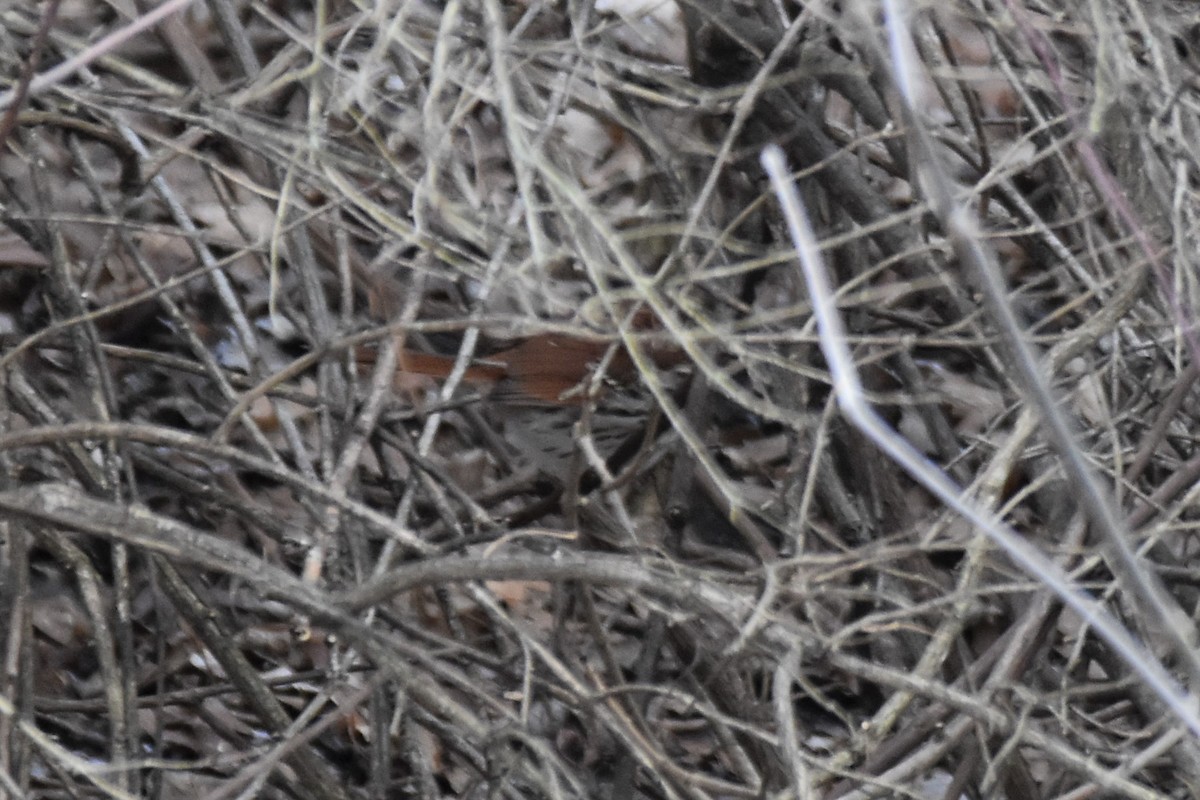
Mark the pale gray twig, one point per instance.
(57, 74)
(852, 399)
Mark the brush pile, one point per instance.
(423, 399)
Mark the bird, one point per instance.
(551, 368)
(539, 387)
(548, 368)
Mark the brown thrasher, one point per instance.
(548, 368)
(540, 385)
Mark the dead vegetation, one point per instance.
(421, 399)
